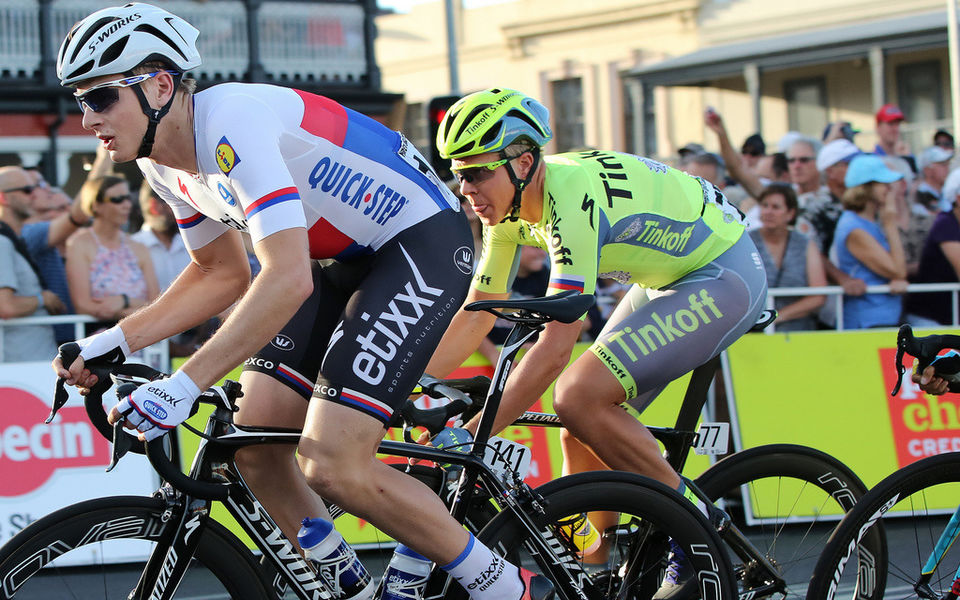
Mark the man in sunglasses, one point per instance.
(365, 256)
(699, 282)
(22, 290)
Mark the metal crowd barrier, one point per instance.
(837, 296)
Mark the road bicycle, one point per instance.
(531, 526)
(916, 505)
(780, 502)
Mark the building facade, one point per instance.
(638, 75)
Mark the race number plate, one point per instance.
(712, 438)
(504, 456)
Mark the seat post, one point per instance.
(693, 402)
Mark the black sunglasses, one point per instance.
(27, 189)
(120, 199)
(100, 99)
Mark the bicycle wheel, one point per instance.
(650, 516)
(36, 563)
(924, 494)
(786, 500)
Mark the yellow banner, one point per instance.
(831, 391)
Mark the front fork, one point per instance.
(184, 520)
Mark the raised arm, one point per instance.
(745, 177)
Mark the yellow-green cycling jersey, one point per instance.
(617, 216)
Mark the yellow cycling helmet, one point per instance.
(491, 120)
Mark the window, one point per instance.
(568, 114)
(806, 105)
(920, 91)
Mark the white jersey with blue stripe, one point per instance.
(272, 158)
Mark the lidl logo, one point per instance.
(227, 157)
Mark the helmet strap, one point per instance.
(153, 114)
(519, 184)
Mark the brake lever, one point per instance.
(60, 398)
(122, 443)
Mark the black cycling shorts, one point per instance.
(366, 333)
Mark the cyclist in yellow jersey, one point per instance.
(699, 283)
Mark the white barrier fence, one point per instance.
(835, 294)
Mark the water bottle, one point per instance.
(582, 533)
(454, 438)
(335, 561)
(406, 576)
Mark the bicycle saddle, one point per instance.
(565, 307)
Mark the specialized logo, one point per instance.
(112, 29)
(665, 329)
(392, 326)
(463, 258)
(353, 188)
(225, 194)
(31, 451)
(227, 157)
(282, 342)
(290, 561)
(155, 409)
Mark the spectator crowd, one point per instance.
(820, 211)
(829, 212)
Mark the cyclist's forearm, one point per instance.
(462, 338)
(191, 300)
(538, 368)
(276, 294)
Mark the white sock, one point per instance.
(483, 574)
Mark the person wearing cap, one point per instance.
(820, 216)
(839, 130)
(933, 165)
(939, 263)
(867, 243)
(888, 117)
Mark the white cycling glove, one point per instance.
(110, 345)
(157, 407)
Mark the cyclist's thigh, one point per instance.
(292, 357)
(685, 324)
(395, 320)
(268, 403)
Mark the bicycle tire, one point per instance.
(96, 522)
(646, 502)
(782, 479)
(909, 488)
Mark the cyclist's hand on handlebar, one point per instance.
(159, 406)
(930, 382)
(108, 347)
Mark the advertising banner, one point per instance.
(831, 391)
(46, 467)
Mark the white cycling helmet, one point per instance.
(117, 39)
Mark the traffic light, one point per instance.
(436, 109)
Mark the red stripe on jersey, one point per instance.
(267, 198)
(326, 241)
(323, 117)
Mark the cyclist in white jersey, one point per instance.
(365, 258)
